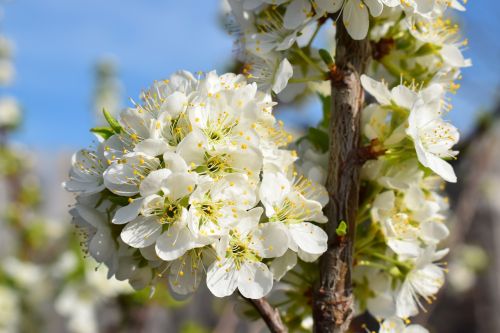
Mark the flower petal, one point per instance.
(222, 278)
(254, 280)
(270, 240)
(141, 232)
(174, 242)
(281, 265)
(356, 19)
(151, 184)
(127, 213)
(309, 237)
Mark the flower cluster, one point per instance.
(416, 61)
(274, 37)
(398, 252)
(195, 179)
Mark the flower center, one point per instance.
(167, 212)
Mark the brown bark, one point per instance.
(333, 299)
(270, 315)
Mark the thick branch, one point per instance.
(270, 315)
(333, 299)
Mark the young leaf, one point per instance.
(326, 57)
(115, 125)
(103, 132)
(341, 229)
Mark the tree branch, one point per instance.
(270, 315)
(333, 299)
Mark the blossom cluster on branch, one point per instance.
(197, 178)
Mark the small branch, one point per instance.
(270, 315)
(333, 302)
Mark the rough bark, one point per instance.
(333, 299)
(270, 315)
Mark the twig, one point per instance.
(270, 315)
(333, 300)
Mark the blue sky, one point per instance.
(58, 42)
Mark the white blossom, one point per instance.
(178, 181)
(397, 325)
(238, 265)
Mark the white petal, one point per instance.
(392, 325)
(403, 96)
(375, 7)
(382, 305)
(101, 246)
(306, 256)
(149, 253)
(453, 56)
(192, 147)
(152, 147)
(173, 243)
(403, 247)
(442, 168)
(178, 185)
(175, 103)
(281, 265)
(428, 280)
(254, 280)
(435, 231)
(273, 190)
(356, 19)
(248, 221)
(127, 213)
(141, 278)
(283, 74)
(222, 278)
(296, 13)
(376, 89)
(141, 232)
(174, 162)
(183, 278)
(91, 216)
(330, 6)
(151, 184)
(270, 240)
(416, 329)
(309, 237)
(405, 303)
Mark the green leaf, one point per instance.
(318, 138)
(326, 57)
(103, 132)
(341, 229)
(115, 125)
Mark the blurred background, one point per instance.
(62, 61)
